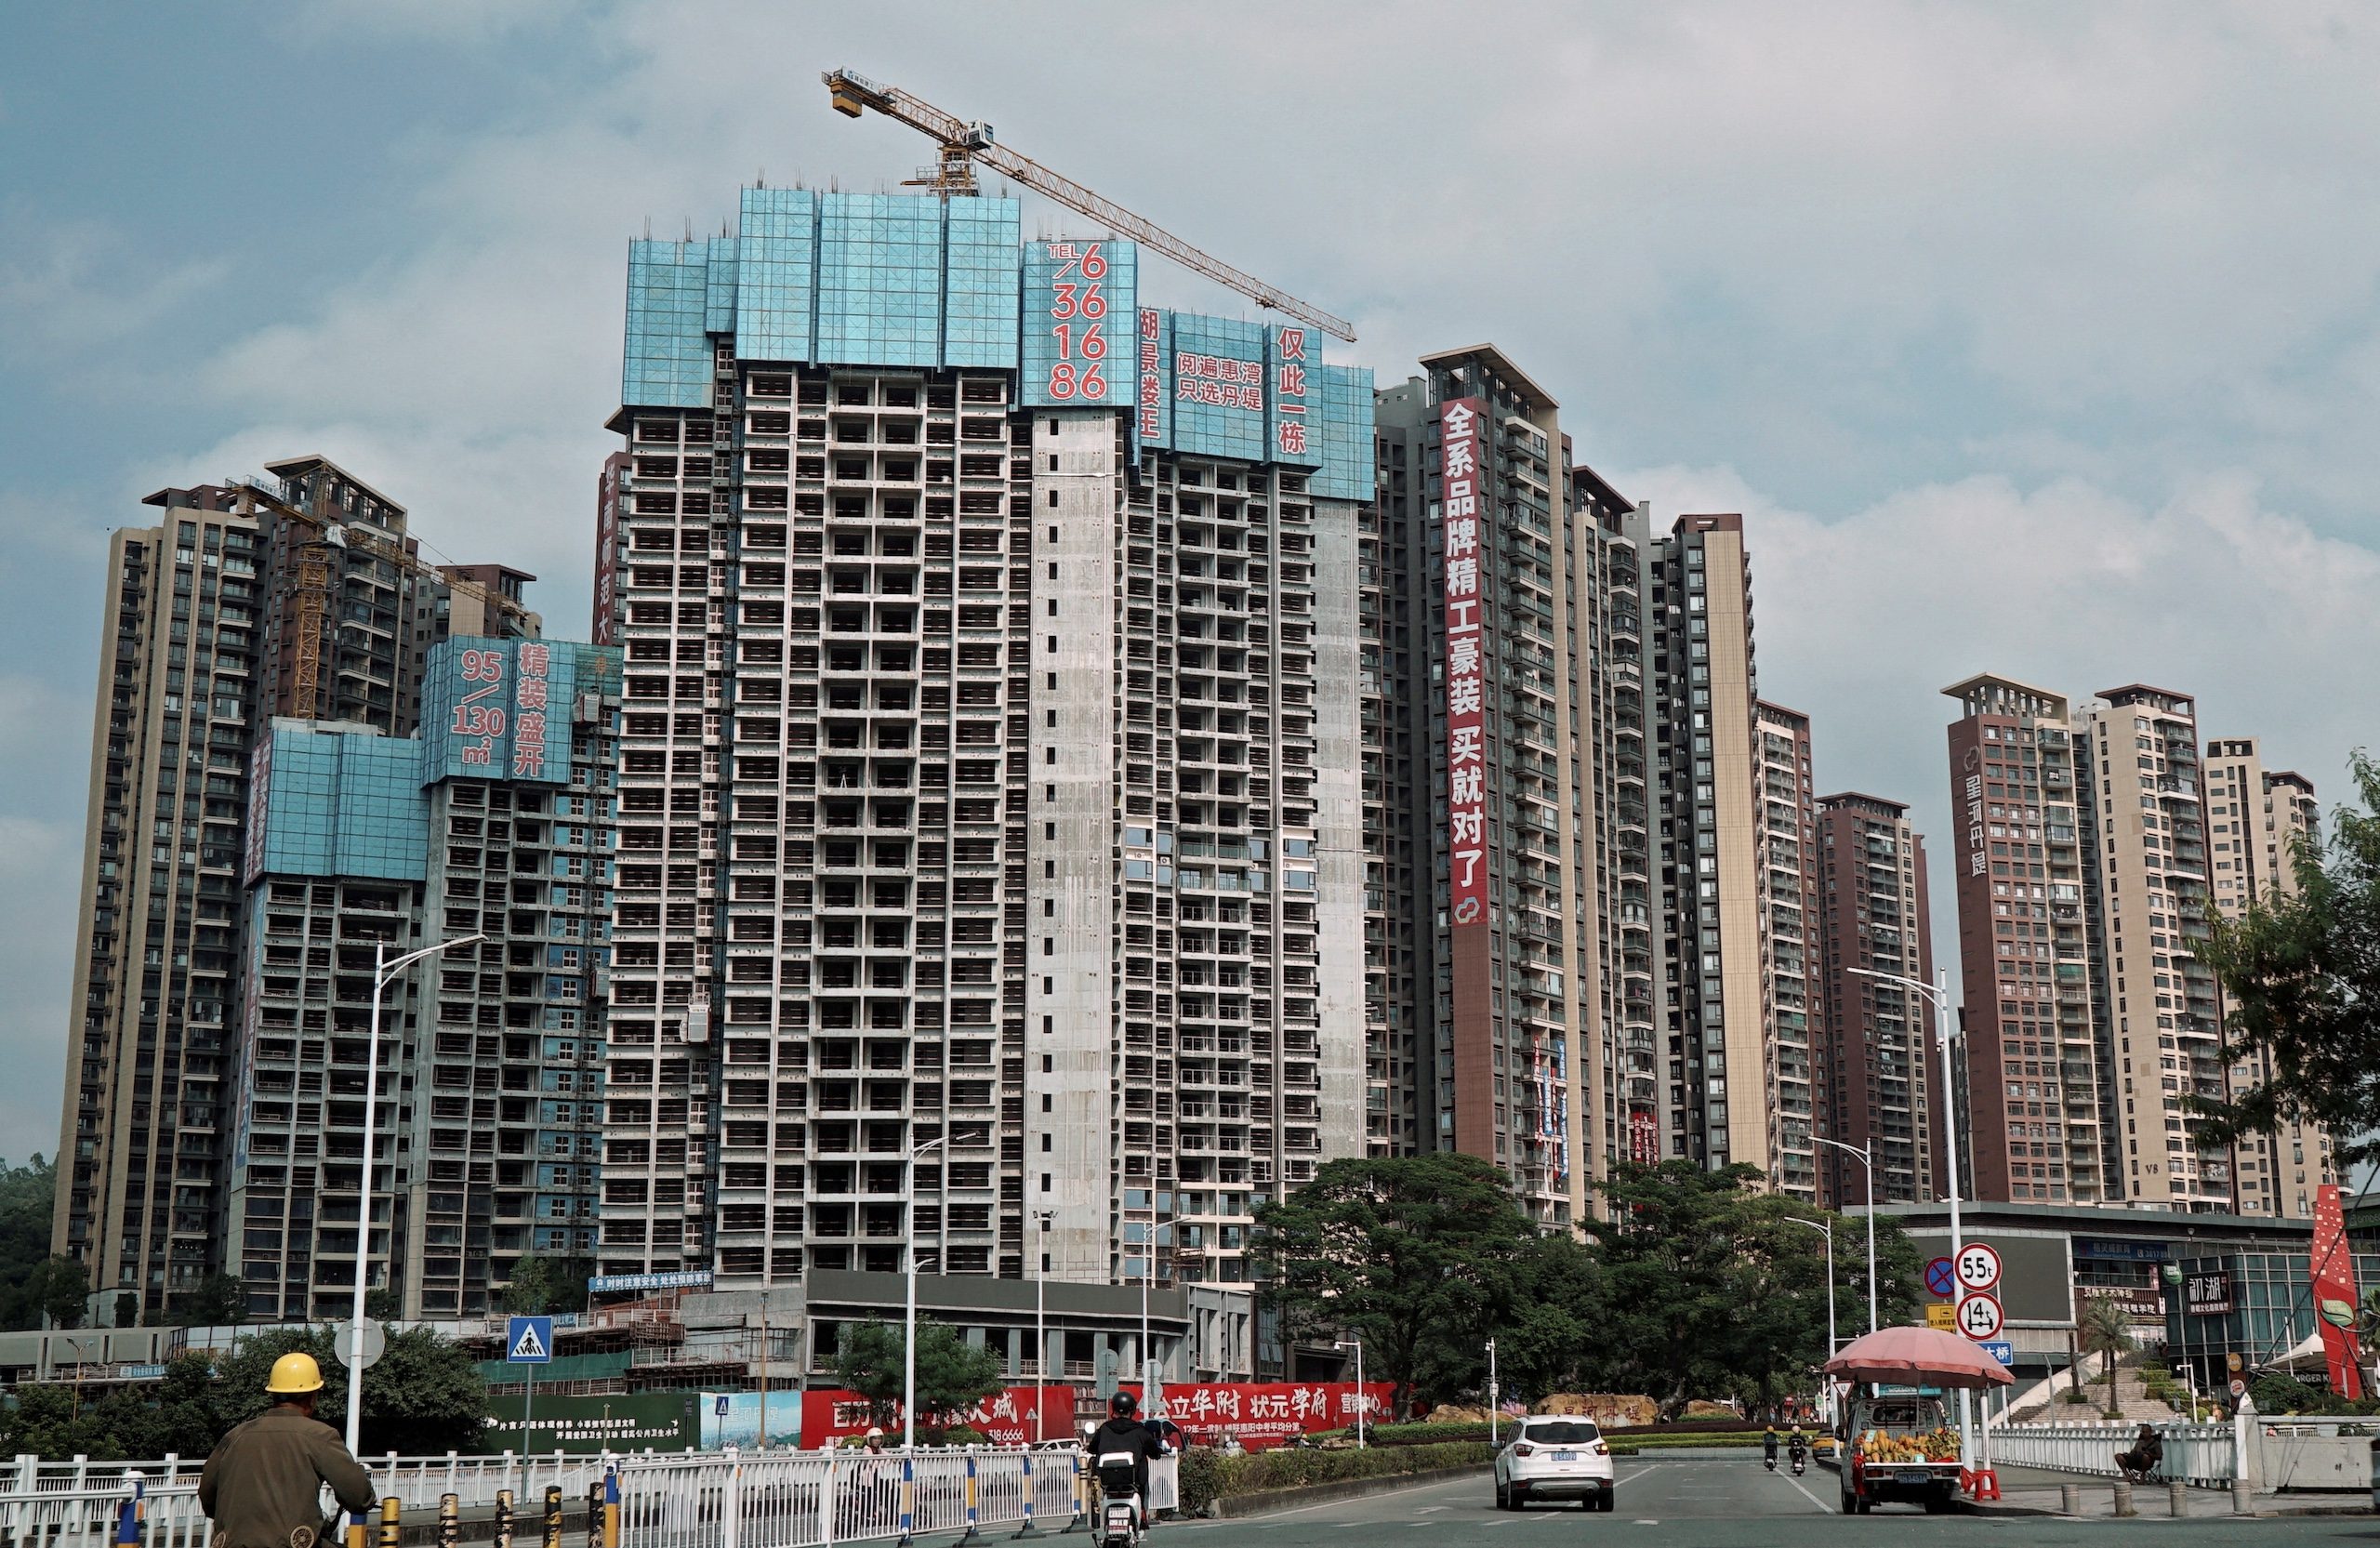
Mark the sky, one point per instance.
(2035, 339)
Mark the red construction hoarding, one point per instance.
(1267, 1413)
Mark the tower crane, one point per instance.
(962, 144)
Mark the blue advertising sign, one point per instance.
(683, 1279)
(1079, 309)
(529, 1340)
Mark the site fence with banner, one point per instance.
(1261, 1414)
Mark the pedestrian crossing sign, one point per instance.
(529, 1340)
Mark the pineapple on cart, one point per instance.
(1897, 1443)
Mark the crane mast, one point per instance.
(961, 144)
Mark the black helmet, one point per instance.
(1122, 1406)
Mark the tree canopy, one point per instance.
(2300, 972)
(1697, 1286)
(1415, 1255)
(952, 1375)
(425, 1395)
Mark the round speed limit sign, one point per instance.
(1979, 1317)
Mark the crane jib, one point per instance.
(854, 94)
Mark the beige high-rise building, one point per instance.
(1792, 1005)
(2255, 816)
(2164, 1031)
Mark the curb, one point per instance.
(1233, 1507)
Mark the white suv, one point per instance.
(1554, 1457)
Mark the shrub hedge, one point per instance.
(1209, 1476)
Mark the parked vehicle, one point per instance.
(1897, 1448)
(1554, 1457)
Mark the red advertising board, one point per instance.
(1268, 1413)
(1461, 441)
(607, 542)
(1011, 1417)
(2334, 1283)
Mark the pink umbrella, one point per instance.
(1923, 1356)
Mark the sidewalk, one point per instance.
(2036, 1491)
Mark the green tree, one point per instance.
(425, 1395)
(59, 1289)
(217, 1300)
(128, 1309)
(1419, 1256)
(2106, 1331)
(951, 1373)
(26, 1193)
(543, 1284)
(176, 1415)
(2301, 979)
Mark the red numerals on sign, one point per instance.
(482, 666)
(1084, 302)
(478, 720)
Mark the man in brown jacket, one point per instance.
(263, 1481)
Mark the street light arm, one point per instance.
(1918, 986)
(1862, 1151)
(391, 970)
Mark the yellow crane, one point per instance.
(962, 144)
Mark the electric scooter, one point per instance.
(1801, 1460)
(1120, 1493)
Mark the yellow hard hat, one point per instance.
(295, 1374)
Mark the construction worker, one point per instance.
(262, 1485)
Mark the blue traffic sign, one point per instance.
(719, 1408)
(529, 1340)
(1999, 1349)
(1942, 1279)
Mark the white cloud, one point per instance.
(1863, 620)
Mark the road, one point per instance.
(1722, 1505)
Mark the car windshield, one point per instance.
(1914, 1413)
(1562, 1432)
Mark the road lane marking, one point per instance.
(1823, 1507)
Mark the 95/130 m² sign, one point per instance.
(1979, 1317)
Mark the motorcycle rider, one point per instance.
(1124, 1432)
(1768, 1449)
(1797, 1445)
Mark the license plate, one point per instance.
(1913, 1475)
(1566, 1456)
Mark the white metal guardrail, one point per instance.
(809, 1499)
(2272, 1452)
(2194, 1453)
(689, 1500)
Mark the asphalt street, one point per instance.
(1687, 1505)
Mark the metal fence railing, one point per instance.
(2194, 1453)
(689, 1500)
(806, 1500)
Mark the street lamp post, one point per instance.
(1363, 1397)
(1491, 1393)
(910, 1318)
(1937, 994)
(1822, 1228)
(1866, 1154)
(383, 971)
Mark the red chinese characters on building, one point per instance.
(529, 706)
(1289, 392)
(1219, 379)
(1077, 312)
(1460, 441)
(1013, 1416)
(475, 716)
(1151, 403)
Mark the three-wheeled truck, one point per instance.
(1897, 1445)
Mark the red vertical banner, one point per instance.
(2333, 1285)
(1460, 442)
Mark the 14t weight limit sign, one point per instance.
(1979, 1315)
